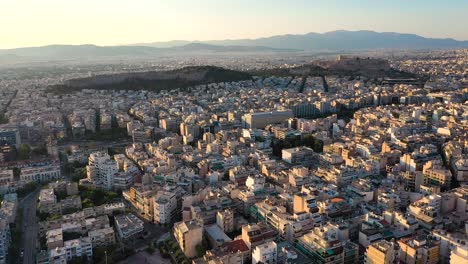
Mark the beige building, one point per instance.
(262, 119)
(380, 252)
(225, 220)
(297, 155)
(435, 174)
(459, 255)
(188, 234)
(102, 237)
(234, 252)
(419, 250)
(256, 234)
(48, 202)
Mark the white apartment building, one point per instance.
(45, 173)
(265, 253)
(6, 176)
(78, 247)
(165, 203)
(101, 169)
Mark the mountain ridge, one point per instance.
(335, 41)
(279, 41)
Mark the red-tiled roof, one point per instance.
(235, 246)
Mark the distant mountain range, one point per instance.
(334, 41)
(59, 52)
(331, 41)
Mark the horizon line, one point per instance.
(231, 39)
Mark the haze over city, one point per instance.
(233, 132)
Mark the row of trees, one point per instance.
(24, 152)
(291, 142)
(94, 196)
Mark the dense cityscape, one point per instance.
(234, 132)
(274, 169)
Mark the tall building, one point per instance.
(225, 220)
(261, 120)
(381, 252)
(165, 205)
(103, 171)
(10, 136)
(188, 234)
(419, 250)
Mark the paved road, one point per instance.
(96, 144)
(146, 258)
(30, 227)
(154, 231)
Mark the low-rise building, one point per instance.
(78, 247)
(265, 253)
(128, 226)
(102, 237)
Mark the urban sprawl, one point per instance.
(276, 169)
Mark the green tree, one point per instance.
(3, 119)
(27, 189)
(54, 217)
(24, 151)
(40, 150)
(226, 176)
(150, 250)
(78, 174)
(201, 249)
(79, 260)
(16, 173)
(87, 203)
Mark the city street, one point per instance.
(30, 227)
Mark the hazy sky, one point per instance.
(110, 22)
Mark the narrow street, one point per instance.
(30, 227)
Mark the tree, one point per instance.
(79, 260)
(3, 119)
(201, 249)
(54, 217)
(71, 235)
(226, 176)
(78, 174)
(27, 189)
(42, 216)
(150, 250)
(40, 151)
(87, 203)
(24, 151)
(16, 173)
